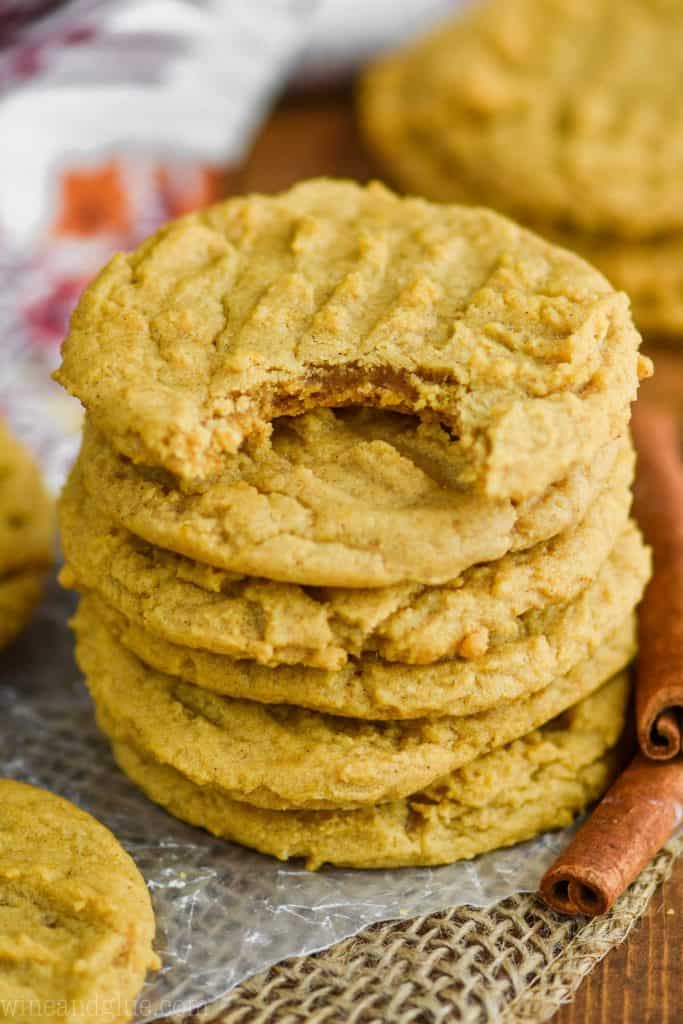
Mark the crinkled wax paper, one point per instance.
(223, 912)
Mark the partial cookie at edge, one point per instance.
(76, 922)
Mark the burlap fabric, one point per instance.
(516, 961)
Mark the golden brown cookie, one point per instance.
(76, 922)
(553, 640)
(350, 498)
(194, 605)
(20, 592)
(285, 757)
(538, 782)
(333, 294)
(26, 523)
(26, 535)
(565, 113)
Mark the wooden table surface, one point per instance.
(641, 982)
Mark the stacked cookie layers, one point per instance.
(567, 116)
(394, 631)
(26, 536)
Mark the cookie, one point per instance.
(351, 498)
(20, 592)
(26, 536)
(26, 525)
(286, 757)
(76, 922)
(538, 782)
(567, 114)
(333, 294)
(193, 605)
(554, 640)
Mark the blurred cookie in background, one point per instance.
(568, 116)
(26, 536)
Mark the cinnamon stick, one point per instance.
(658, 508)
(645, 804)
(630, 824)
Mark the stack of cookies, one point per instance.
(351, 527)
(565, 115)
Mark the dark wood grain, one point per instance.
(304, 138)
(641, 982)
